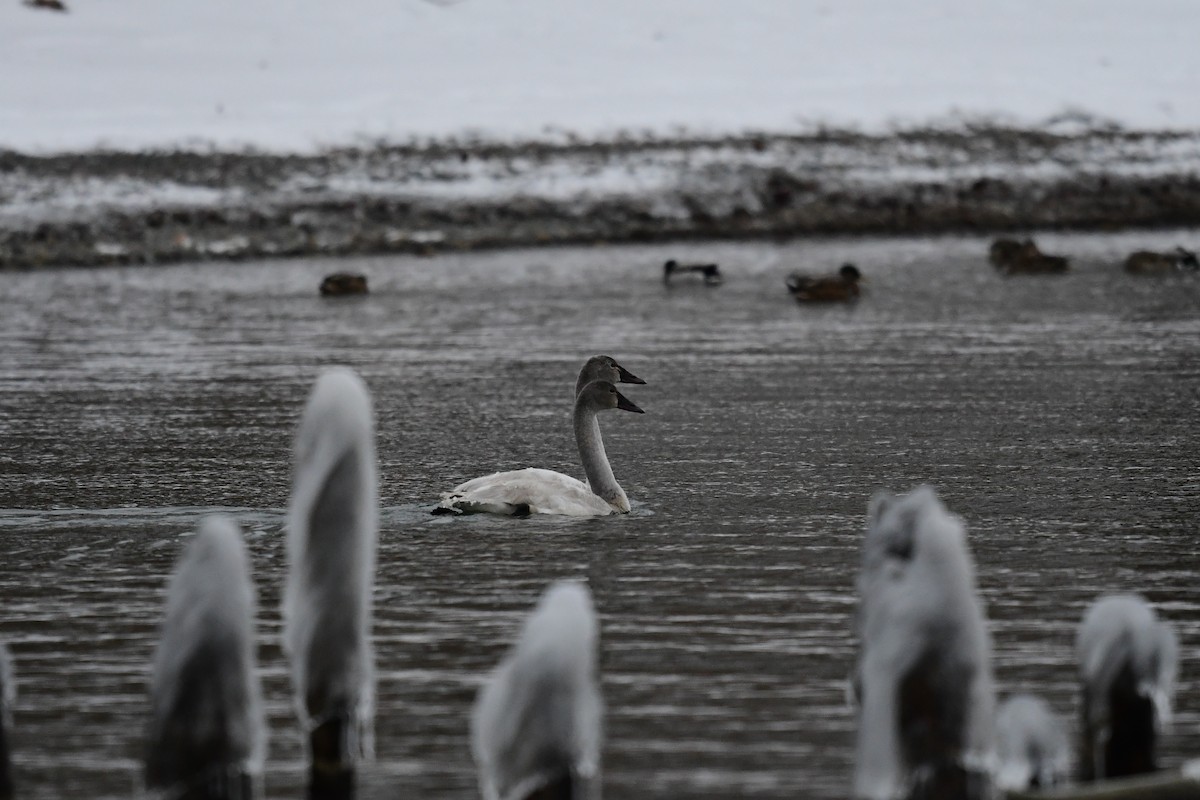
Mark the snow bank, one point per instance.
(141, 73)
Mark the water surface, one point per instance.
(1056, 414)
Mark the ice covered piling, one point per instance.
(8, 694)
(1031, 745)
(1127, 666)
(206, 736)
(332, 531)
(535, 730)
(924, 670)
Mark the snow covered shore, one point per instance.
(140, 131)
(105, 208)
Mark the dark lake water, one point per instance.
(1057, 415)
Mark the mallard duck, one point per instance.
(1148, 262)
(342, 283)
(839, 288)
(1023, 257)
(711, 272)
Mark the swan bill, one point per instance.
(625, 404)
(625, 376)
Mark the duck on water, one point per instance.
(534, 490)
(839, 288)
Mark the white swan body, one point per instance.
(536, 726)
(531, 491)
(332, 533)
(541, 491)
(207, 725)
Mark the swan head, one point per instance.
(603, 396)
(604, 368)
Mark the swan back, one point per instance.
(206, 720)
(924, 666)
(537, 719)
(1128, 661)
(332, 531)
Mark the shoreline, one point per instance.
(106, 208)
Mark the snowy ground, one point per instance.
(133, 74)
(230, 129)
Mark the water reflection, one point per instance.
(1056, 414)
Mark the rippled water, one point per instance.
(1057, 415)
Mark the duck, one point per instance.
(711, 272)
(839, 288)
(604, 368)
(332, 522)
(1148, 262)
(207, 732)
(1128, 661)
(1012, 257)
(924, 677)
(523, 492)
(536, 722)
(343, 283)
(1031, 745)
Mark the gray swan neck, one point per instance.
(595, 461)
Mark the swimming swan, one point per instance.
(207, 736)
(542, 491)
(535, 729)
(332, 532)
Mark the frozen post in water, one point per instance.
(1031, 744)
(1127, 666)
(206, 735)
(332, 522)
(535, 731)
(924, 671)
(8, 694)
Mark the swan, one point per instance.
(207, 735)
(332, 530)
(1031, 745)
(603, 368)
(535, 727)
(8, 695)
(541, 491)
(1127, 666)
(839, 288)
(924, 671)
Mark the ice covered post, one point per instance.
(535, 730)
(8, 694)
(1127, 666)
(332, 531)
(924, 674)
(206, 736)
